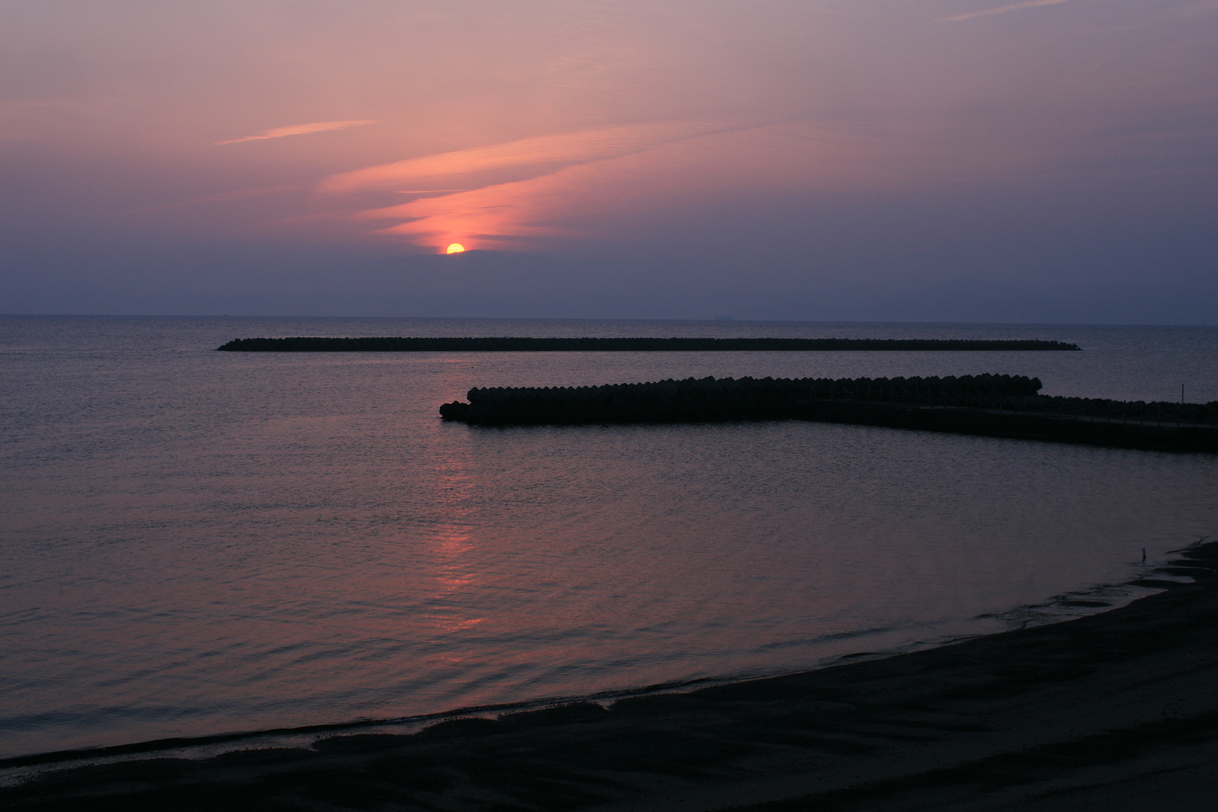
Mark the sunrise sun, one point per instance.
(455, 248)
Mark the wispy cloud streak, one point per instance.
(494, 210)
(573, 182)
(298, 129)
(560, 149)
(1001, 10)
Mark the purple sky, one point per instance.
(946, 160)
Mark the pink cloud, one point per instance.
(298, 129)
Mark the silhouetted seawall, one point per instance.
(993, 405)
(513, 344)
(714, 399)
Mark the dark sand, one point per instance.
(1117, 711)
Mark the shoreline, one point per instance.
(1094, 709)
(1060, 608)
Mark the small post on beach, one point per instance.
(1143, 555)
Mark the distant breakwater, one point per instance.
(991, 405)
(515, 344)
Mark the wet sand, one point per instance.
(1116, 711)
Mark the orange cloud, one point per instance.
(298, 129)
(615, 174)
(498, 214)
(564, 148)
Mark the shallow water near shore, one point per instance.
(198, 542)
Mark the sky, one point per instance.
(892, 160)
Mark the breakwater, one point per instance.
(992, 405)
(518, 344)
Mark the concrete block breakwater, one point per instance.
(992, 405)
(519, 344)
(711, 399)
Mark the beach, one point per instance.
(1114, 711)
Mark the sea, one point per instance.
(195, 543)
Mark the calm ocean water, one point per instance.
(197, 542)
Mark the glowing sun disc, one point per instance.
(455, 248)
